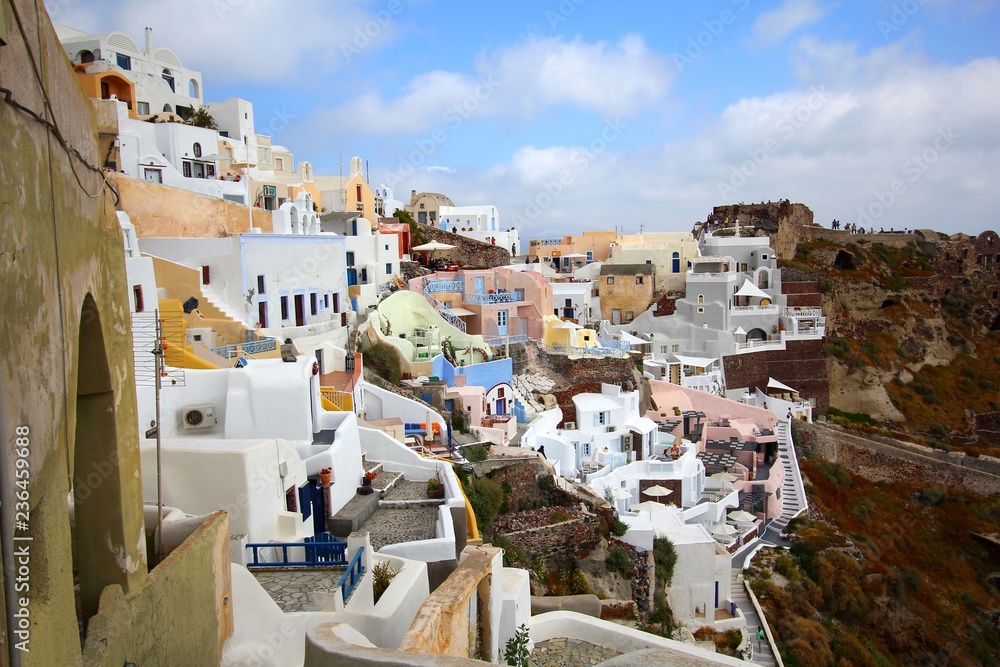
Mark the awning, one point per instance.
(626, 337)
(460, 312)
(749, 289)
(774, 384)
(698, 362)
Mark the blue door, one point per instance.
(480, 285)
(501, 322)
(352, 276)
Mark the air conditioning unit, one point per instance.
(569, 426)
(202, 416)
(612, 429)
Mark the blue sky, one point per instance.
(581, 114)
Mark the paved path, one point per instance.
(563, 652)
(290, 588)
(392, 526)
(762, 656)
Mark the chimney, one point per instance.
(355, 166)
(149, 42)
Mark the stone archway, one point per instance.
(101, 537)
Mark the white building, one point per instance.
(481, 223)
(575, 301)
(162, 83)
(372, 258)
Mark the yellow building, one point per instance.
(70, 457)
(571, 252)
(626, 290)
(347, 193)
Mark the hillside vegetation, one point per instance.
(884, 574)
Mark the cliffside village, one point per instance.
(266, 392)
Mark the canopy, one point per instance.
(574, 255)
(626, 337)
(748, 289)
(774, 384)
(724, 476)
(724, 529)
(657, 491)
(622, 494)
(742, 516)
(568, 324)
(649, 506)
(698, 362)
(460, 312)
(433, 245)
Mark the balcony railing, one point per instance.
(693, 275)
(568, 350)
(449, 316)
(802, 312)
(500, 340)
(323, 550)
(249, 348)
(489, 299)
(537, 242)
(438, 286)
(754, 310)
(755, 344)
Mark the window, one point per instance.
(675, 348)
(169, 78)
(611, 280)
(197, 149)
(260, 285)
(137, 294)
(663, 349)
(629, 316)
(638, 280)
(358, 193)
(763, 256)
(743, 266)
(364, 276)
(186, 168)
(123, 61)
(193, 88)
(284, 308)
(649, 261)
(675, 262)
(586, 448)
(602, 418)
(153, 175)
(142, 108)
(555, 311)
(499, 392)
(700, 310)
(388, 269)
(590, 256)
(279, 163)
(312, 303)
(569, 303)
(701, 298)
(263, 155)
(350, 259)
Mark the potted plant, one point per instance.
(324, 476)
(435, 488)
(366, 483)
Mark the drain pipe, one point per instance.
(7, 543)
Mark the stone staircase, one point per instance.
(793, 497)
(764, 655)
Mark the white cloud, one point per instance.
(840, 145)
(519, 81)
(773, 26)
(259, 41)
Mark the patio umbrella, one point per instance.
(622, 494)
(657, 491)
(432, 246)
(724, 476)
(724, 529)
(741, 516)
(649, 506)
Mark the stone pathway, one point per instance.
(407, 490)
(392, 526)
(566, 652)
(291, 588)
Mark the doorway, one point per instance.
(300, 310)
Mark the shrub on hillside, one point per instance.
(485, 496)
(382, 358)
(618, 561)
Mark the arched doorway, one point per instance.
(104, 546)
(756, 334)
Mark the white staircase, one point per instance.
(763, 655)
(793, 495)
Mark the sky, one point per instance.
(573, 115)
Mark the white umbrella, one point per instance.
(649, 506)
(741, 516)
(657, 491)
(622, 494)
(432, 246)
(724, 529)
(568, 324)
(724, 477)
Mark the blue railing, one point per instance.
(487, 299)
(323, 550)
(248, 348)
(569, 350)
(449, 316)
(501, 340)
(350, 579)
(438, 286)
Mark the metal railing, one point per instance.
(488, 299)
(449, 316)
(754, 344)
(342, 399)
(754, 310)
(802, 312)
(438, 286)
(568, 350)
(323, 550)
(350, 579)
(501, 340)
(249, 348)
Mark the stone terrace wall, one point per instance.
(902, 462)
(467, 251)
(800, 366)
(531, 530)
(520, 483)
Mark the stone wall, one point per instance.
(894, 461)
(468, 252)
(520, 484)
(534, 532)
(801, 366)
